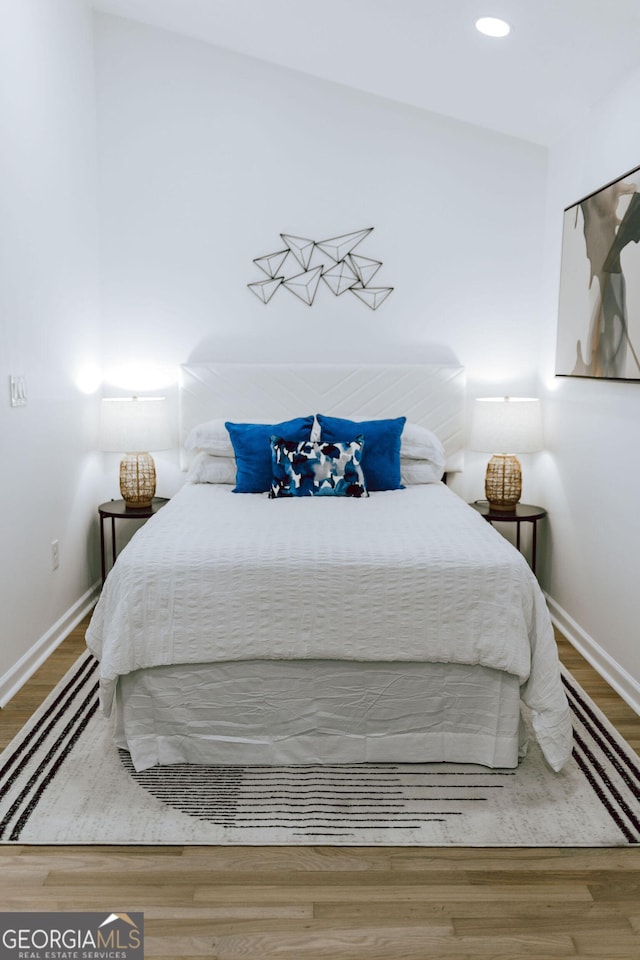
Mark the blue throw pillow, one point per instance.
(381, 456)
(252, 449)
(317, 469)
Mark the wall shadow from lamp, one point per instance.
(512, 425)
(133, 426)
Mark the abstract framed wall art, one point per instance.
(599, 308)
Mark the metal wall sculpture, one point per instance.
(302, 263)
(599, 312)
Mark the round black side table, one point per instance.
(523, 513)
(118, 510)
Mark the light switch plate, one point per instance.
(17, 391)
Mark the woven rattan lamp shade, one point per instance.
(513, 425)
(133, 426)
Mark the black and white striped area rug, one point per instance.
(62, 781)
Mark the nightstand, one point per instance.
(523, 513)
(118, 510)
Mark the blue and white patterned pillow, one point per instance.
(317, 469)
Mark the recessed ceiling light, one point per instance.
(493, 27)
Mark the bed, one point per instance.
(243, 628)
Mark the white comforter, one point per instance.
(412, 575)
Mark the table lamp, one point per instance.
(133, 426)
(512, 424)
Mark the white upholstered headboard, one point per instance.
(429, 394)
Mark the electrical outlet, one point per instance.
(55, 554)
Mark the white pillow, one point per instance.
(419, 443)
(208, 469)
(419, 471)
(213, 437)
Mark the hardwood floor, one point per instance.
(316, 903)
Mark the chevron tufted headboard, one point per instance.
(429, 394)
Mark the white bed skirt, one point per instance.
(312, 711)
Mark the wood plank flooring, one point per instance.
(332, 903)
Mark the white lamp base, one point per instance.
(503, 482)
(137, 480)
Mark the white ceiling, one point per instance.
(561, 58)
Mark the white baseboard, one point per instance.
(611, 671)
(17, 676)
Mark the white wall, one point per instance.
(49, 323)
(206, 156)
(590, 473)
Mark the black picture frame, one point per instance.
(599, 303)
